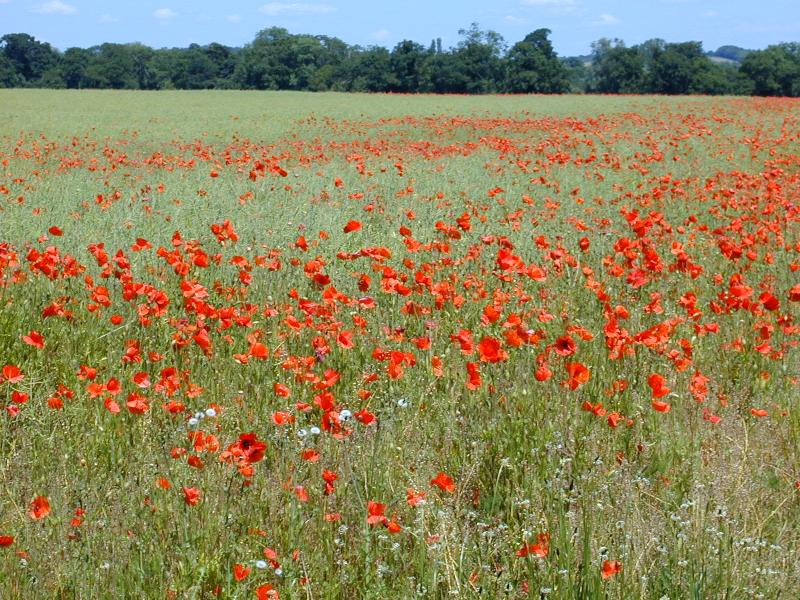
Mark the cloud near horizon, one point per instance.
(56, 7)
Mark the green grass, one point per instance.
(691, 509)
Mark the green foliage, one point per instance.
(617, 69)
(533, 66)
(774, 71)
(480, 63)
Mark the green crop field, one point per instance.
(261, 345)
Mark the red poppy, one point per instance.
(414, 498)
(39, 508)
(35, 339)
(540, 549)
(565, 346)
(137, 404)
(191, 496)
(473, 376)
(375, 513)
(610, 568)
(444, 482)
(6, 541)
(266, 592)
(661, 406)
(352, 226)
(490, 350)
(240, 572)
(656, 383)
(12, 374)
(577, 375)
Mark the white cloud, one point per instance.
(107, 19)
(710, 13)
(381, 35)
(233, 18)
(605, 19)
(515, 20)
(280, 9)
(56, 7)
(164, 14)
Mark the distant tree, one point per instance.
(774, 71)
(74, 62)
(193, 69)
(224, 61)
(29, 57)
(475, 66)
(278, 60)
(534, 67)
(443, 73)
(369, 70)
(578, 74)
(406, 62)
(680, 68)
(121, 66)
(617, 69)
(8, 73)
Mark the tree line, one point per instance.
(481, 62)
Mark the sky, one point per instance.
(575, 24)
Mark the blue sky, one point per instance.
(574, 23)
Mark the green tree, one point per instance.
(617, 69)
(278, 60)
(774, 71)
(475, 66)
(534, 67)
(680, 68)
(8, 73)
(73, 67)
(369, 70)
(406, 62)
(29, 57)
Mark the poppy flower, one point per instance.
(656, 383)
(610, 568)
(375, 512)
(565, 346)
(352, 226)
(39, 508)
(661, 406)
(191, 496)
(540, 549)
(473, 376)
(444, 482)
(266, 592)
(12, 374)
(577, 375)
(6, 541)
(35, 339)
(490, 350)
(240, 572)
(414, 498)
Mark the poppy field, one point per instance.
(288, 345)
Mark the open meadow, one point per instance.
(275, 344)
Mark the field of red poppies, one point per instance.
(262, 345)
